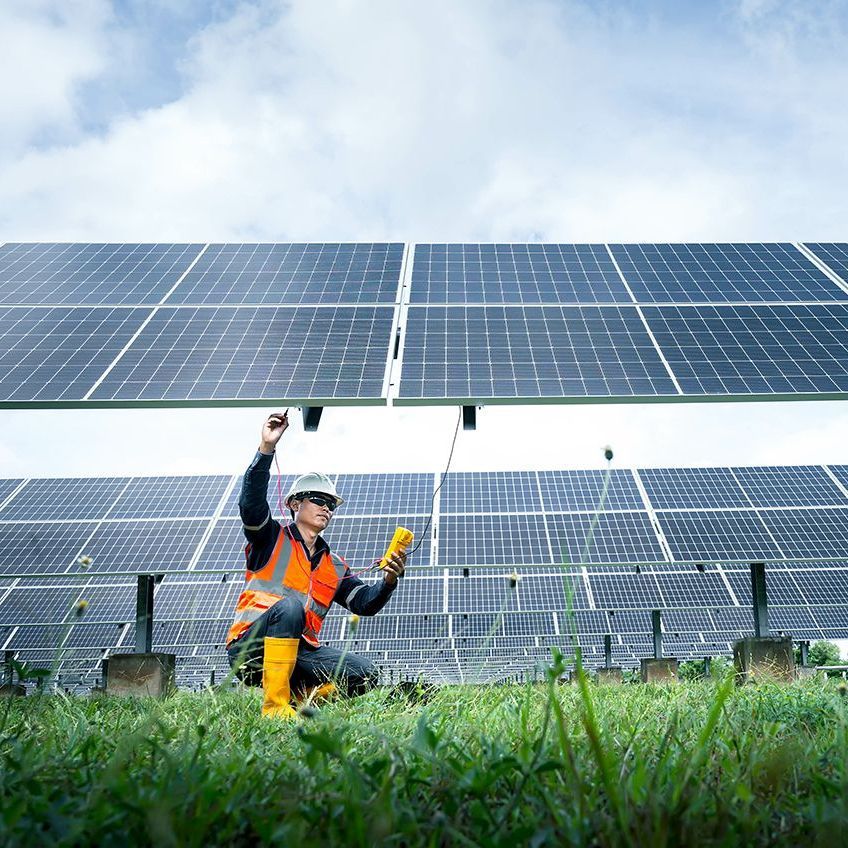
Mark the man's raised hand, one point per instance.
(272, 430)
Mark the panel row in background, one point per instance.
(481, 542)
(480, 519)
(573, 490)
(52, 601)
(320, 273)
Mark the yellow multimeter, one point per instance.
(401, 540)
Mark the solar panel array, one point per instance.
(317, 323)
(118, 324)
(511, 564)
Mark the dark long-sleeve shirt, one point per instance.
(262, 530)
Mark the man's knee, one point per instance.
(286, 619)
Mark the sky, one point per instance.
(541, 120)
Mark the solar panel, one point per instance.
(693, 589)
(624, 591)
(276, 495)
(422, 626)
(841, 473)
(57, 353)
(110, 601)
(716, 273)
(481, 593)
(48, 637)
(38, 548)
(362, 540)
(821, 587)
(142, 547)
(727, 535)
(745, 350)
(417, 596)
(177, 600)
(253, 353)
(43, 604)
(515, 273)
(99, 636)
(493, 540)
(833, 254)
(552, 591)
(496, 491)
(170, 497)
(607, 537)
(513, 352)
(52, 499)
(809, 532)
(795, 485)
(384, 494)
(293, 274)
(91, 274)
(7, 487)
(567, 491)
(692, 488)
(224, 549)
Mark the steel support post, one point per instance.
(760, 599)
(144, 614)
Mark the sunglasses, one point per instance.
(318, 500)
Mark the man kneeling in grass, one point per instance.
(292, 578)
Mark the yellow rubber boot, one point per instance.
(280, 657)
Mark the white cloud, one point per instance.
(48, 50)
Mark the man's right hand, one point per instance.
(272, 430)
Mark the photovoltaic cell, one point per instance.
(384, 494)
(728, 535)
(481, 593)
(512, 540)
(91, 274)
(276, 495)
(764, 349)
(495, 491)
(42, 604)
(293, 274)
(552, 591)
(224, 549)
(110, 602)
(362, 540)
(624, 591)
(468, 352)
(716, 273)
(170, 497)
(692, 488)
(7, 487)
(252, 353)
(615, 537)
(53, 499)
(809, 532)
(57, 354)
(794, 485)
(142, 547)
(98, 636)
(207, 599)
(841, 473)
(515, 273)
(567, 491)
(693, 589)
(41, 548)
(822, 587)
(834, 255)
(417, 596)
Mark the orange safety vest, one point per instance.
(288, 573)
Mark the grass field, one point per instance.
(538, 764)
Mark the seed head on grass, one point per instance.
(80, 607)
(84, 561)
(353, 622)
(608, 452)
(513, 579)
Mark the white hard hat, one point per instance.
(313, 482)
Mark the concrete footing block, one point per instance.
(12, 690)
(764, 658)
(140, 675)
(659, 670)
(611, 676)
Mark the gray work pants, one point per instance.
(314, 666)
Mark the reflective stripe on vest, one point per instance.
(288, 573)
